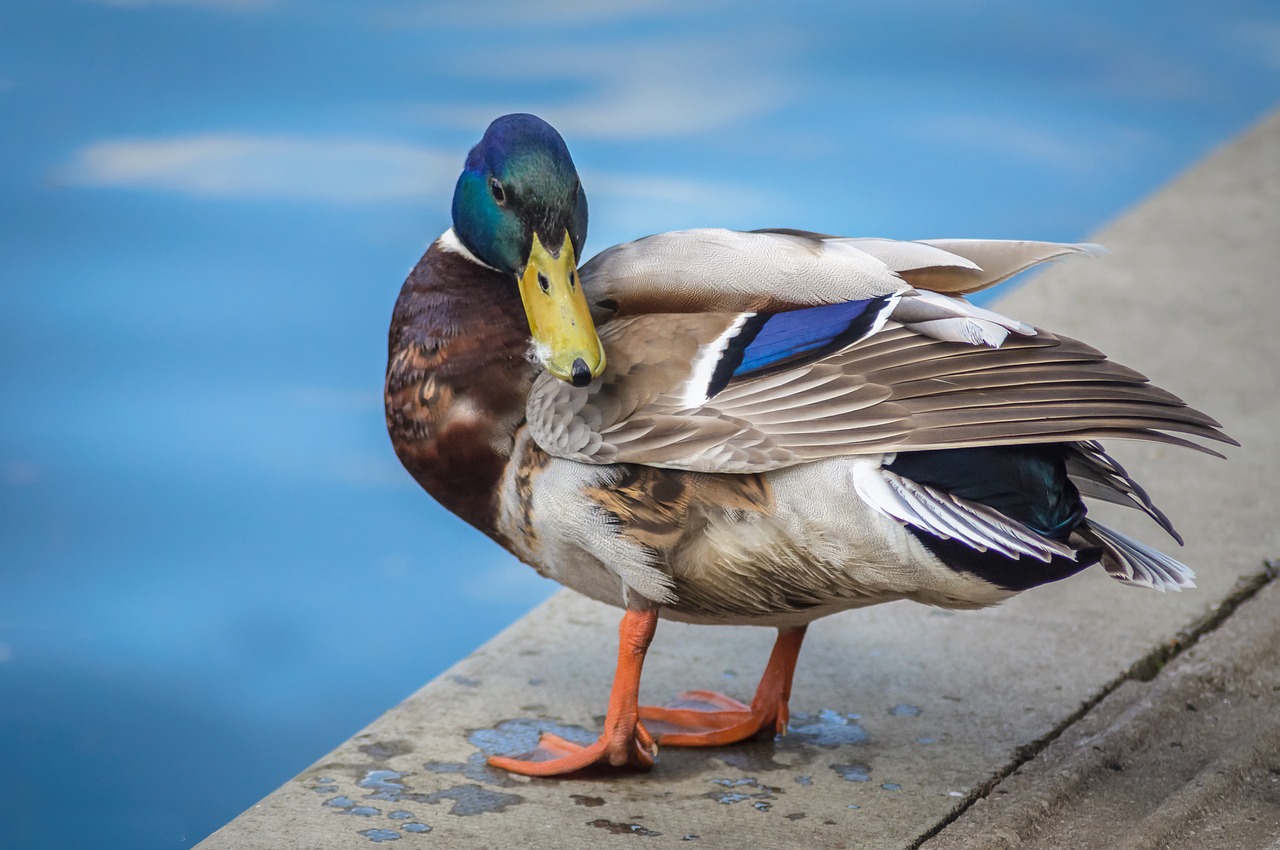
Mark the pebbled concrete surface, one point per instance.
(909, 723)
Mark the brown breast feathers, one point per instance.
(457, 380)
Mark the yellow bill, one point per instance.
(563, 334)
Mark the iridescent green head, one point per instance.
(518, 182)
(520, 208)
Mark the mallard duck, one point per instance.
(756, 428)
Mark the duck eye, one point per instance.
(495, 189)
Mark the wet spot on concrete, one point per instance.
(730, 674)
(476, 768)
(324, 789)
(828, 729)
(536, 682)
(901, 710)
(384, 784)
(473, 800)
(804, 780)
(891, 786)
(464, 681)
(761, 796)
(362, 811)
(925, 741)
(795, 816)
(380, 835)
(382, 750)
(852, 772)
(509, 738)
(339, 803)
(622, 828)
(584, 800)
(519, 736)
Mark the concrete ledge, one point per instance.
(904, 717)
(1188, 760)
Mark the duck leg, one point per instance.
(624, 741)
(727, 721)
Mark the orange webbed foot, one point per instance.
(709, 719)
(625, 742)
(555, 756)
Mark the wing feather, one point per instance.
(930, 372)
(895, 391)
(1097, 474)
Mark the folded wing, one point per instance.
(746, 352)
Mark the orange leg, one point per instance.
(624, 741)
(727, 721)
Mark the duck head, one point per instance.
(519, 207)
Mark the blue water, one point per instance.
(212, 569)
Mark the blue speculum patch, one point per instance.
(770, 340)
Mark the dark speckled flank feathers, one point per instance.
(456, 381)
(656, 507)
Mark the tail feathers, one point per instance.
(1097, 474)
(1137, 564)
